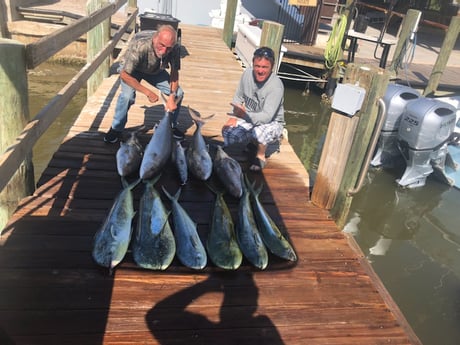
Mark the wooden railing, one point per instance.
(37, 53)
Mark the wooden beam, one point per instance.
(46, 47)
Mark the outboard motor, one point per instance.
(396, 98)
(425, 130)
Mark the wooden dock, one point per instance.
(51, 291)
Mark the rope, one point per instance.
(406, 57)
(333, 51)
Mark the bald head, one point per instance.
(164, 40)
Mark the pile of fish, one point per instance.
(155, 244)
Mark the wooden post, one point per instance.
(14, 115)
(132, 4)
(377, 84)
(334, 74)
(408, 25)
(347, 140)
(3, 21)
(272, 36)
(448, 44)
(97, 38)
(229, 23)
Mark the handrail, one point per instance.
(402, 15)
(12, 158)
(370, 152)
(46, 47)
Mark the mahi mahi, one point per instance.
(199, 161)
(190, 249)
(153, 244)
(129, 155)
(271, 234)
(221, 243)
(248, 235)
(111, 241)
(229, 172)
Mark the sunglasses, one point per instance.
(264, 52)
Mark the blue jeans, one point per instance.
(128, 96)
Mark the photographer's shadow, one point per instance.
(179, 320)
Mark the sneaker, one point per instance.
(250, 149)
(112, 136)
(178, 134)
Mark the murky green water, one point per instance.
(411, 237)
(44, 82)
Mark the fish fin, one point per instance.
(141, 130)
(111, 231)
(194, 242)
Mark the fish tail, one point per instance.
(170, 197)
(132, 185)
(216, 190)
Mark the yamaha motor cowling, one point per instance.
(396, 98)
(425, 130)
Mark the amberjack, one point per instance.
(129, 155)
(199, 161)
(229, 172)
(158, 150)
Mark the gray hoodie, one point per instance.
(263, 101)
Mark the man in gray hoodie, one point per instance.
(258, 112)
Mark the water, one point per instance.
(411, 237)
(44, 82)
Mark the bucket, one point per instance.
(361, 23)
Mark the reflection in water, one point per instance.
(397, 213)
(236, 314)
